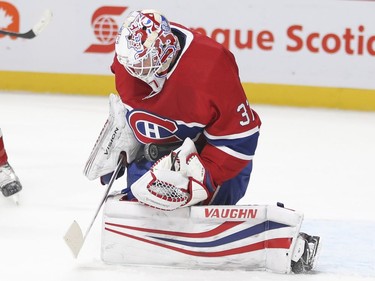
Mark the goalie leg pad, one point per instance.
(248, 237)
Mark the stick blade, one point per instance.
(44, 21)
(74, 238)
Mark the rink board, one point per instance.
(251, 237)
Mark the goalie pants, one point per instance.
(231, 191)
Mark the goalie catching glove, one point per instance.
(176, 180)
(115, 137)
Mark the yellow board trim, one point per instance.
(82, 84)
(273, 94)
(310, 96)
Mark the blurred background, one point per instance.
(300, 53)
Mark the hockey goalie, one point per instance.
(184, 124)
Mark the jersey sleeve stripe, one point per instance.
(233, 136)
(243, 149)
(236, 154)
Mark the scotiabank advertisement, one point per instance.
(300, 42)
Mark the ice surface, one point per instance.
(317, 161)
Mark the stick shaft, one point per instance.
(43, 22)
(28, 35)
(109, 186)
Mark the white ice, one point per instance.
(319, 161)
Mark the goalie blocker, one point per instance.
(253, 237)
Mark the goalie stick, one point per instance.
(74, 237)
(38, 28)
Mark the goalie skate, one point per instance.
(309, 248)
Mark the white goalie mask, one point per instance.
(146, 47)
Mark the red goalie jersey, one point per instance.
(202, 99)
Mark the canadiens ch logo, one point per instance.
(149, 128)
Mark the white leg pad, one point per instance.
(250, 237)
